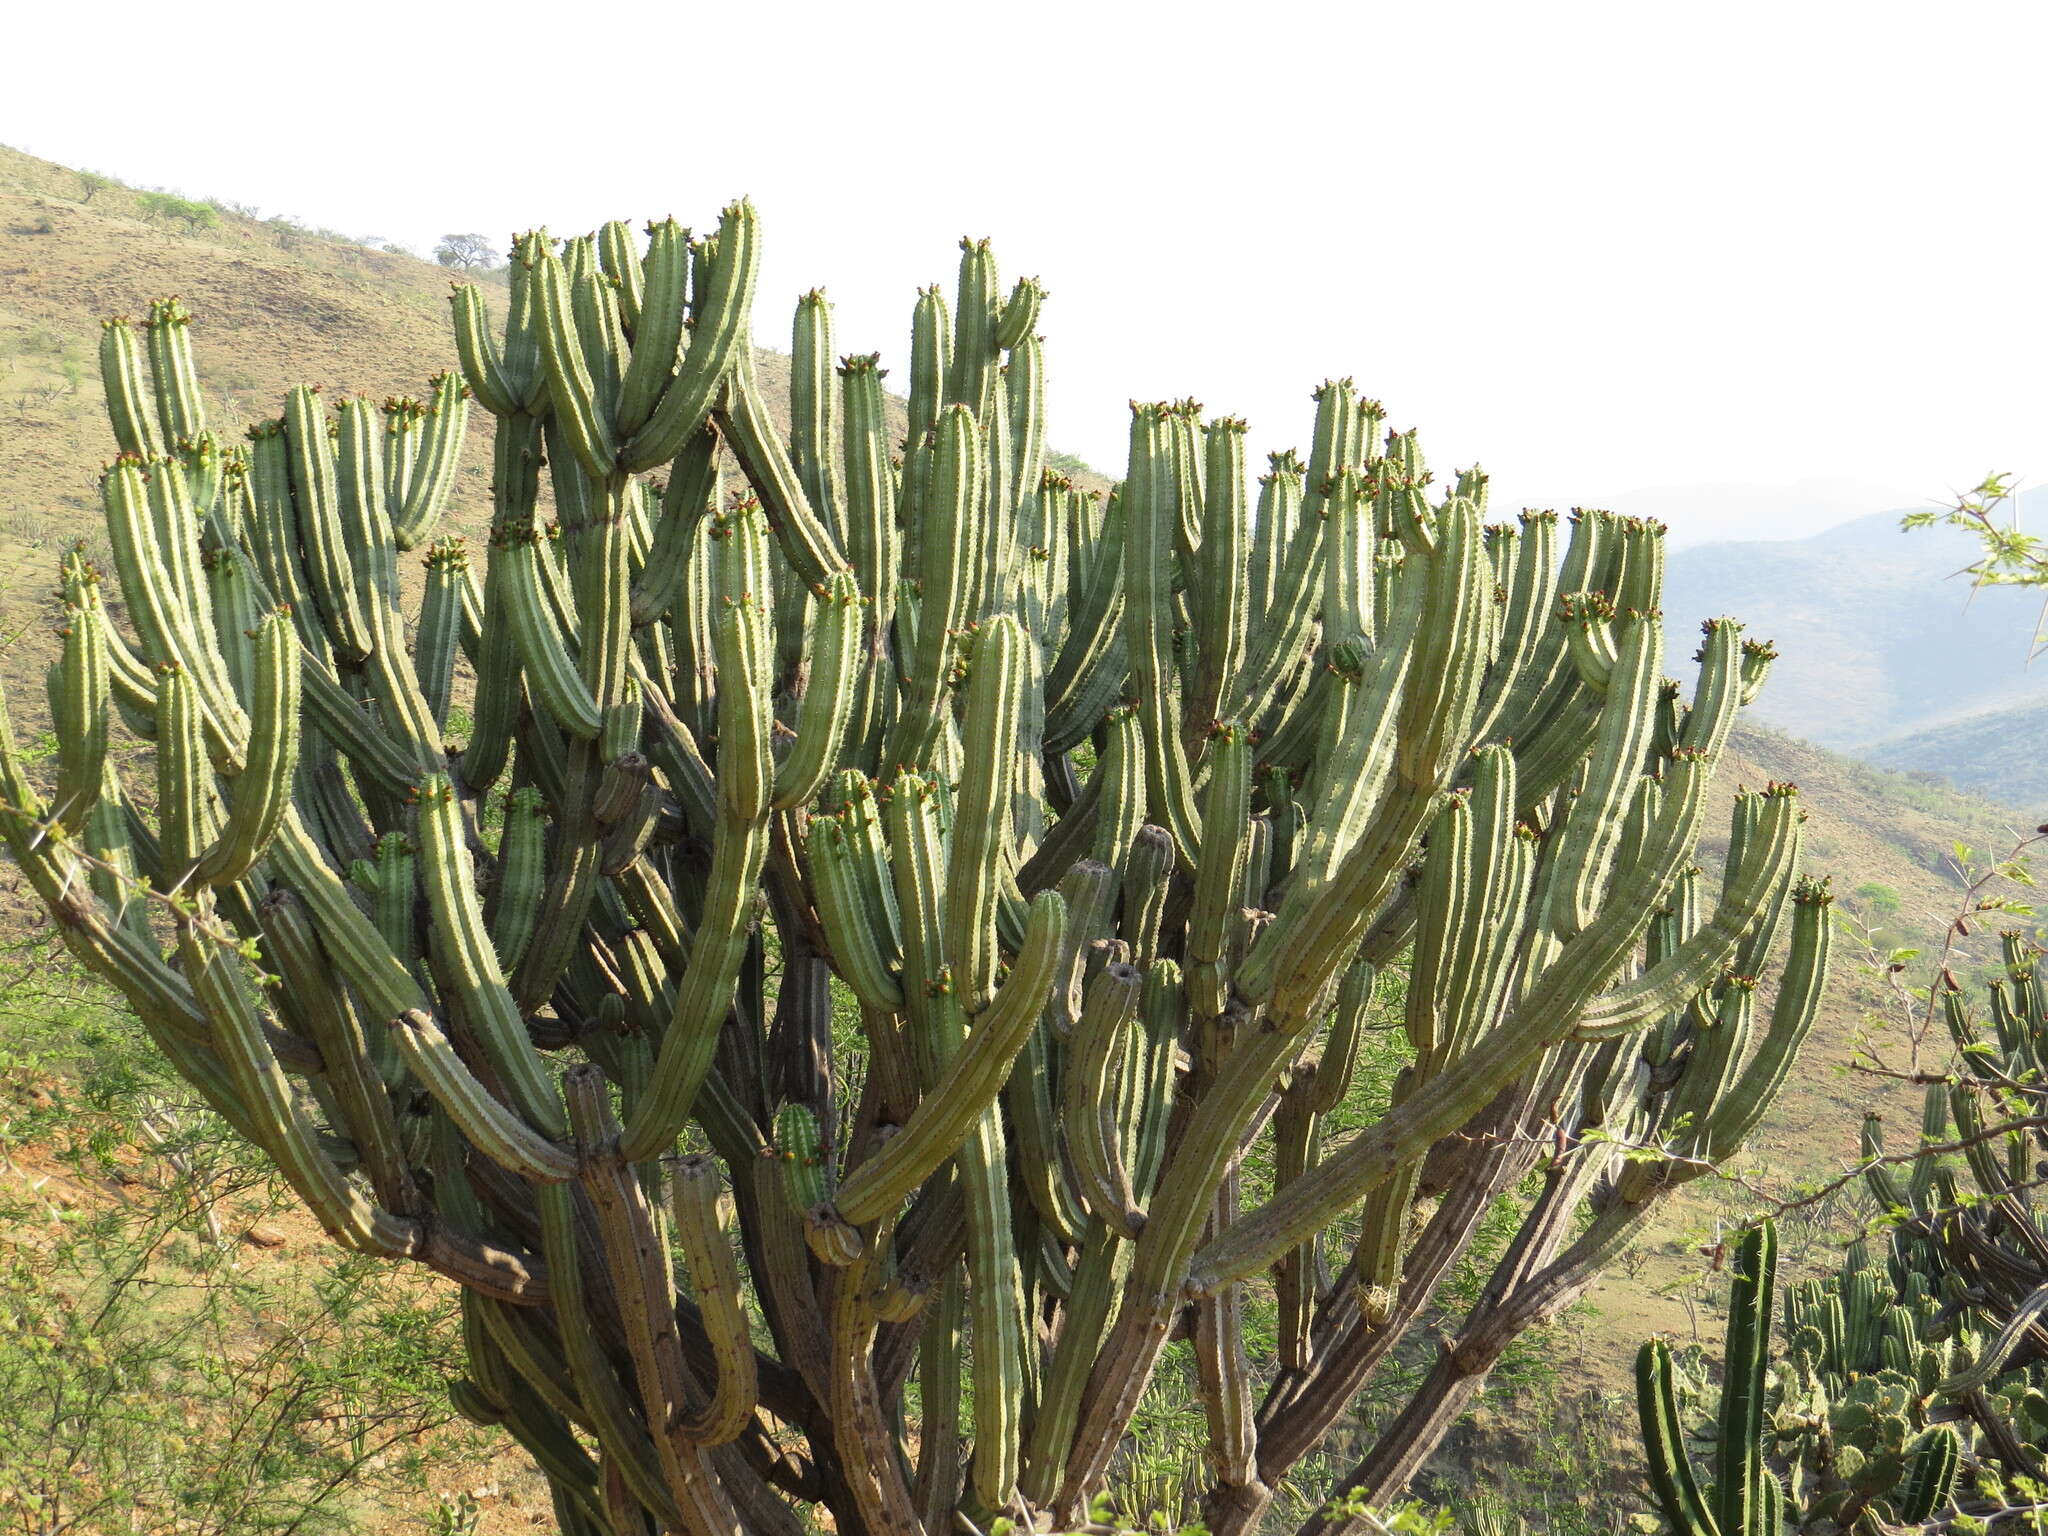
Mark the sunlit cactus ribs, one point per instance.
(988, 884)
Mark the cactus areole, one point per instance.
(511, 911)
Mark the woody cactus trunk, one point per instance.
(1093, 819)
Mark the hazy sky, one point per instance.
(1596, 246)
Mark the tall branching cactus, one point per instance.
(1099, 814)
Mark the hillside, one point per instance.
(1997, 753)
(1876, 640)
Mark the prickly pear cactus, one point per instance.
(793, 910)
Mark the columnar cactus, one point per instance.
(1866, 1461)
(971, 871)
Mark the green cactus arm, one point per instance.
(131, 407)
(524, 367)
(463, 945)
(181, 409)
(493, 1127)
(522, 875)
(1931, 1467)
(574, 394)
(441, 624)
(1351, 780)
(1120, 770)
(695, 489)
(808, 1176)
(365, 959)
(1218, 902)
(705, 992)
(1500, 878)
(316, 499)
(968, 1084)
(338, 716)
(1221, 594)
(400, 443)
(552, 671)
(1757, 656)
(236, 601)
(654, 309)
(1023, 404)
(349, 1058)
(1150, 520)
(1147, 876)
(1592, 830)
(718, 339)
(426, 490)
(857, 954)
(270, 532)
(1438, 707)
(224, 991)
(1275, 645)
(1671, 1477)
(1089, 1307)
(828, 696)
(1041, 1168)
(1224, 1370)
(1347, 1028)
(186, 808)
(260, 794)
(601, 575)
(982, 818)
(1090, 1100)
(955, 506)
(1095, 637)
(715, 1283)
(148, 519)
(1445, 908)
(80, 692)
(618, 256)
(1989, 1365)
(1717, 696)
(997, 556)
(134, 684)
(1741, 1471)
(1019, 317)
(116, 871)
(1089, 889)
(971, 374)
(1297, 1142)
(1769, 868)
(1800, 988)
(996, 1297)
(477, 351)
(815, 429)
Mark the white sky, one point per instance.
(1596, 246)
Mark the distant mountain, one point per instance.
(1999, 753)
(1738, 510)
(1878, 638)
